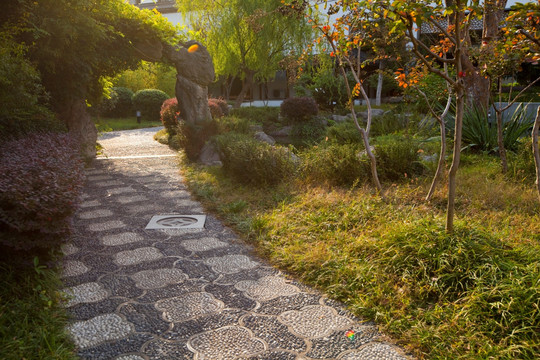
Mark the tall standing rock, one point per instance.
(195, 71)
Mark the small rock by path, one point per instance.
(187, 293)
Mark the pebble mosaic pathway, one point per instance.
(137, 294)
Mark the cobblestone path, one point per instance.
(139, 294)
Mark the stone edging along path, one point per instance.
(138, 294)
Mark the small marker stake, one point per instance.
(350, 334)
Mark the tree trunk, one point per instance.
(379, 83)
(500, 141)
(450, 209)
(248, 82)
(535, 149)
(442, 163)
(80, 125)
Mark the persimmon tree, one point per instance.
(344, 37)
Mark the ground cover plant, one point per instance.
(472, 294)
(32, 321)
(40, 183)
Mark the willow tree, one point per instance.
(246, 38)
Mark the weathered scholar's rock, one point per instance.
(195, 71)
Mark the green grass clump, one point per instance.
(32, 322)
(128, 123)
(474, 294)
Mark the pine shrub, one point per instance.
(41, 177)
(299, 109)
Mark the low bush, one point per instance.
(169, 115)
(334, 164)
(221, 103)
(123, 105)
(344, 133)
(299, 109)
(308, 133)
(41, 179)
(254, 162)
(258, 114)
(235, 124)
(215, 110)
(149, 102)
(191, 138)
(397, 158)
(389, 123)
(162, 137)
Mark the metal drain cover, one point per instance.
(176, 222)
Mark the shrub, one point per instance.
(254, 162)
(308, 133)
(22, 97)
(389, 123)
(191, 138)
(169, 115)
(329, 90)
(299, 109)
(149, 102)
(232, 123)
(480, 132)
(222, 105)
(397, 158)
(344, 133)
(123, 106)
(40, 181)
(260, 114)
(335, 164)
(215, 109)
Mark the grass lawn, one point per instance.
(127, 123)
(32, 323)
(471, 295)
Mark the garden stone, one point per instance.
(374, 113)
(210, 155)
(340, 118)
(261, 136)
(284, 131)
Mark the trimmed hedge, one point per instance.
(41, 178)
(149, 102)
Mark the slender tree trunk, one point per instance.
(248, 82)
(441, 165)
(379, 83)
(535, 149)
(450, 209)
(500, 141)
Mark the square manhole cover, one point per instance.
(176, 222)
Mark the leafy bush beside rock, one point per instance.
(149, 102)
(252, 161)
(169, 115)
(41, 177)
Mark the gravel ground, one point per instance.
(192, 289)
